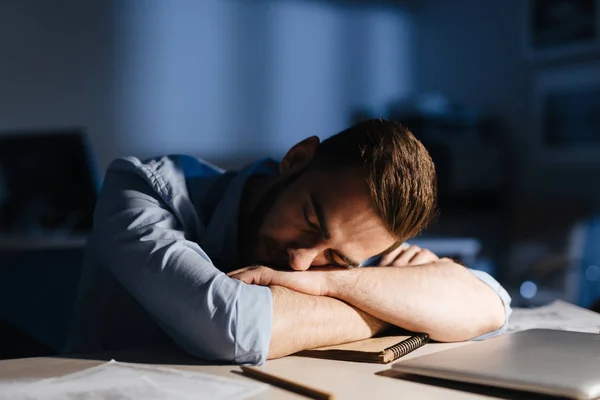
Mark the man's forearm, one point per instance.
(302, 321)
(443, 299)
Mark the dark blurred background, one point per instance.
(504, 93)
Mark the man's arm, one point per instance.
(442, 298)
(302, 321)
(141, 237)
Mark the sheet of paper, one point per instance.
(556, 315)
(122, 381)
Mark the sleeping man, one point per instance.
(260, 263)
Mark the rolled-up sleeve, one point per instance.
(143, 240)
(504, 296)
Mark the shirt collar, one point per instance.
(220, 239)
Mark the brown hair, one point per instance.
(399, 172)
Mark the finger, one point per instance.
(447, 260)
(250, 277)
(406, 256)
(243, 276)
(389, 258)
(239, 271)
(240, 277)
(257, 275)
(423, 257)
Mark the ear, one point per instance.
(299, 156)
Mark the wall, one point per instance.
(232, 81)
(57, 68)
(472, 51)
(228, 80)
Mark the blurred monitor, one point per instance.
(48, 183)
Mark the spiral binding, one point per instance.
(406, 346)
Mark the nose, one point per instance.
(302, 259)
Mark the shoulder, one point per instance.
(166, 175)
(153, 186)
(170, 165)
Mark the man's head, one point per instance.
(358, 194)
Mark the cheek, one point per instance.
(281, 222)
(277, 218)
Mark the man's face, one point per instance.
(317, 218)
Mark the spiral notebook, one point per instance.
(381, 350)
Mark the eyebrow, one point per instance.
(318, 207)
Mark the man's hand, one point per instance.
(313, 281)
(441, 297)
(304, 321)
(316, 282)
(408, 255)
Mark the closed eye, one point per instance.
(332, 255)
(309, 223)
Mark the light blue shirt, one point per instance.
(165, 235)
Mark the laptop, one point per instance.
(551, 362)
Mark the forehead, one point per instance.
(355, 227)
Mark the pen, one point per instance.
(294, 387)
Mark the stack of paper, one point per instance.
(122, 381)
(558, 315)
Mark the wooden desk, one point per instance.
(346, 380)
